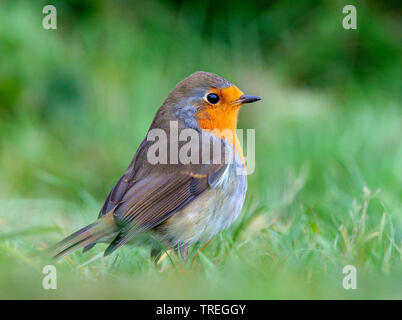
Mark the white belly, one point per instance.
(214, 210)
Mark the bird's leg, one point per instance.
(202, 248)
(182, 251)
(156, 254)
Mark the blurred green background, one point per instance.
(327, 190)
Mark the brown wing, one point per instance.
(126, 180)
(146, 194)
(155, 198)
(121, 186)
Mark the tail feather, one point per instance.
(86, 236)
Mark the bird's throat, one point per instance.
(222, 122)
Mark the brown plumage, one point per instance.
(180, 203)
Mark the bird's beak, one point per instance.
(248, 99)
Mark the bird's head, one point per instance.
(206, 101)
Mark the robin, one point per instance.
(178, 203)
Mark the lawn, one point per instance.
(327, 187)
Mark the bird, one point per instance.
(177, 203)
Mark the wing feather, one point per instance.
(147, 195)
(152, 200)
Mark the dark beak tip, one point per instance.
(249, 99)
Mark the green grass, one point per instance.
(326, 192)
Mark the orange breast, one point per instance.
(221, 119)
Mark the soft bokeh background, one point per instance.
(327, 191)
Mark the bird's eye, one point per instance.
(213, 98)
